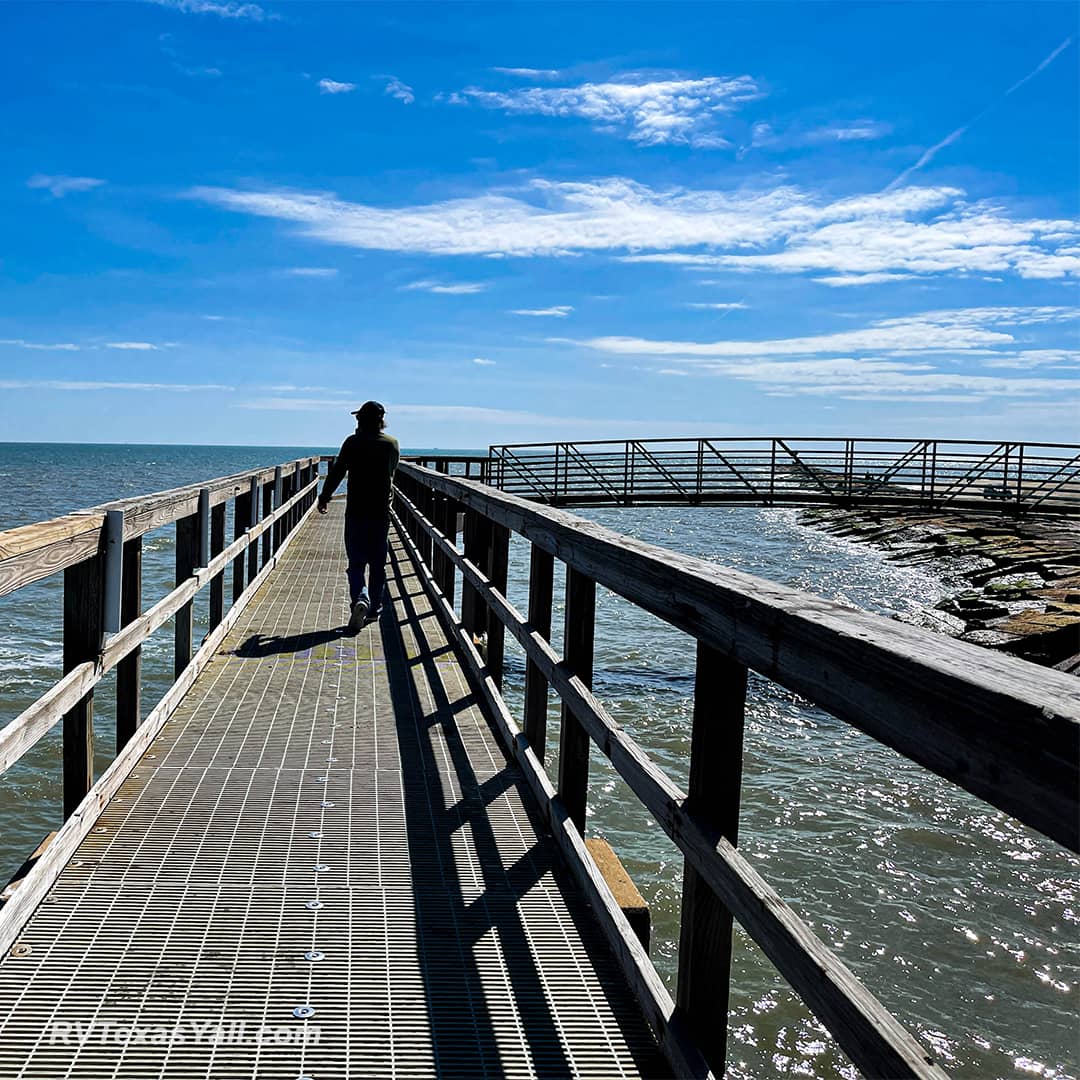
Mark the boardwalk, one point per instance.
(325, 838)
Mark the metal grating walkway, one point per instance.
(325, 822)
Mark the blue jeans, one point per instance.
(365, 546)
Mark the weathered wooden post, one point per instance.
(277, 503)
(187, 559)
(83, 639)
(477, 543)
(253, 520)
(498, 566)
(541, 581)
(217, 546)
(241, 518)
(129, 670)
(578, 653)
(713, 796)
(267, 510)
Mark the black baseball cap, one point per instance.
(370, 408)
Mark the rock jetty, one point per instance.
(1014, 583)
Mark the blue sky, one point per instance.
(230, 222)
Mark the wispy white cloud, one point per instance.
(733, 305)
(650, 111)
(136, 346)
(397, 89)
(18, 343)
(764, 136)
(959, 331)
(556, 311)
(483, 361)
(915, 230)
(331, 86)
(225, 9)
(928, 155)
(528, 73)
(896, 359)
(59, 186)
(843, 280)
(312, 271)
(458, 288)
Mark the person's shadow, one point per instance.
(259, 645)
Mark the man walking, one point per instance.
(369, 457)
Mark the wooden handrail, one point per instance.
(30, 553)
(36, 720)
(1003, 728)
(870, 1035)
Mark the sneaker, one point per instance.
(373, 615)
(359, 615)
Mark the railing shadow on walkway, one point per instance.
(462, 1013)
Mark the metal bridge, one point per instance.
(1013, 477)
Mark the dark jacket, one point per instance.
(369, 458)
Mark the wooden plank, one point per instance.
(713, 795)
(129, 669)
(187, 559)
(84, 633)
(44, 714)
(32, 552)
(1004, 729)
(217, 545)
(541, 583)
(578, 635)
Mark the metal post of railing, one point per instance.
(772, 475)
(1020, 476)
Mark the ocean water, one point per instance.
(964, 923)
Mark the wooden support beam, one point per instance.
(187, 558)
(253, 520)
(217, 546)
(129, 670)
(83, 640)
(578, 656)
(267, 510)
(498, 569)
(713, 796)
(477, 544)
(241, 518)
(541, 582)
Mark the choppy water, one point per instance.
(962, 922)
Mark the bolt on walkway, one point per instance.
(323, 867)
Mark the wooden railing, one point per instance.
(1003, 729)
(1013, 477)
(99, 552)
